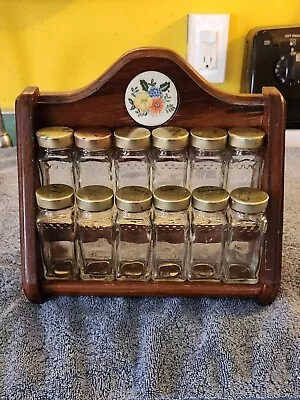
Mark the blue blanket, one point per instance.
(147, 348)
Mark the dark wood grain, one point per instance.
(273, 183)
(102, 103)
(119, 288)
(27, 178)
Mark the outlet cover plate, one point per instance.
(219, 24)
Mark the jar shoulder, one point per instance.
(171, 218)
(65, 216)
(122, 154)
(242, 219)
(168, 155)
(139, 218)
(205, 155)
(239, 154)
(96, 219)
(209, 219)
(65, 155)
(83, 155)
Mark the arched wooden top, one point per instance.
(102, 103)
(150, 54)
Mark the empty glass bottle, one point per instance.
(245, 153)
(171, 233)
(132, 157)
(55, 156)
(247, 228)
(207, 157)
(93, 157)
(133, 233)
(169, 156)
(55, 224)
(95, 233)
(208, 232)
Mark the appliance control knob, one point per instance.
(287, 69)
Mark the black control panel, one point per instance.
(272, 58)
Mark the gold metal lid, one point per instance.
(55, 137)
(171, 198)
(93, 138)
(134, 198)
(246, 138)
(209, 138)
(94, 198)
(210, 198)
(170, 138)
(132, 138)
(55, 196)
(248, 200)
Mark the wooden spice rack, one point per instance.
(102, 104)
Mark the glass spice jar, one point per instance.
(55, 224)
(207, 157)
(133, 233)
(247, 229)
(245, 158)
(169, 156)
(95, 233)
(55, 155)
(93, 157)
(132, 157)
(171, 233)
(208, 233)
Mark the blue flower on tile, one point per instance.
(155, 92)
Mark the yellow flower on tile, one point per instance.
(142, 101)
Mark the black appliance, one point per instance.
(272, 58)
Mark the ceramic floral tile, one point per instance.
(151, 98)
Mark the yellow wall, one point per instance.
(64, 44)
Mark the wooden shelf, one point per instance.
(121, 288)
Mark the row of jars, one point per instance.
(170, 235)
(205, 156)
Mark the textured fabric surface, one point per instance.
(147, 348)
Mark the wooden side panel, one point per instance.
(31, 265)
(274, 124)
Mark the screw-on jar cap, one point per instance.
(246, 138)
(94, 198)
(172, 198)
(209, 138)
(55, 196)
(93, 138)
(170, 138)
(210, 198)
(134, 198)
(132, 138)
(55, 137)
(248, 200)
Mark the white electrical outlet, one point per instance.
(207, 44)
(208, 50)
